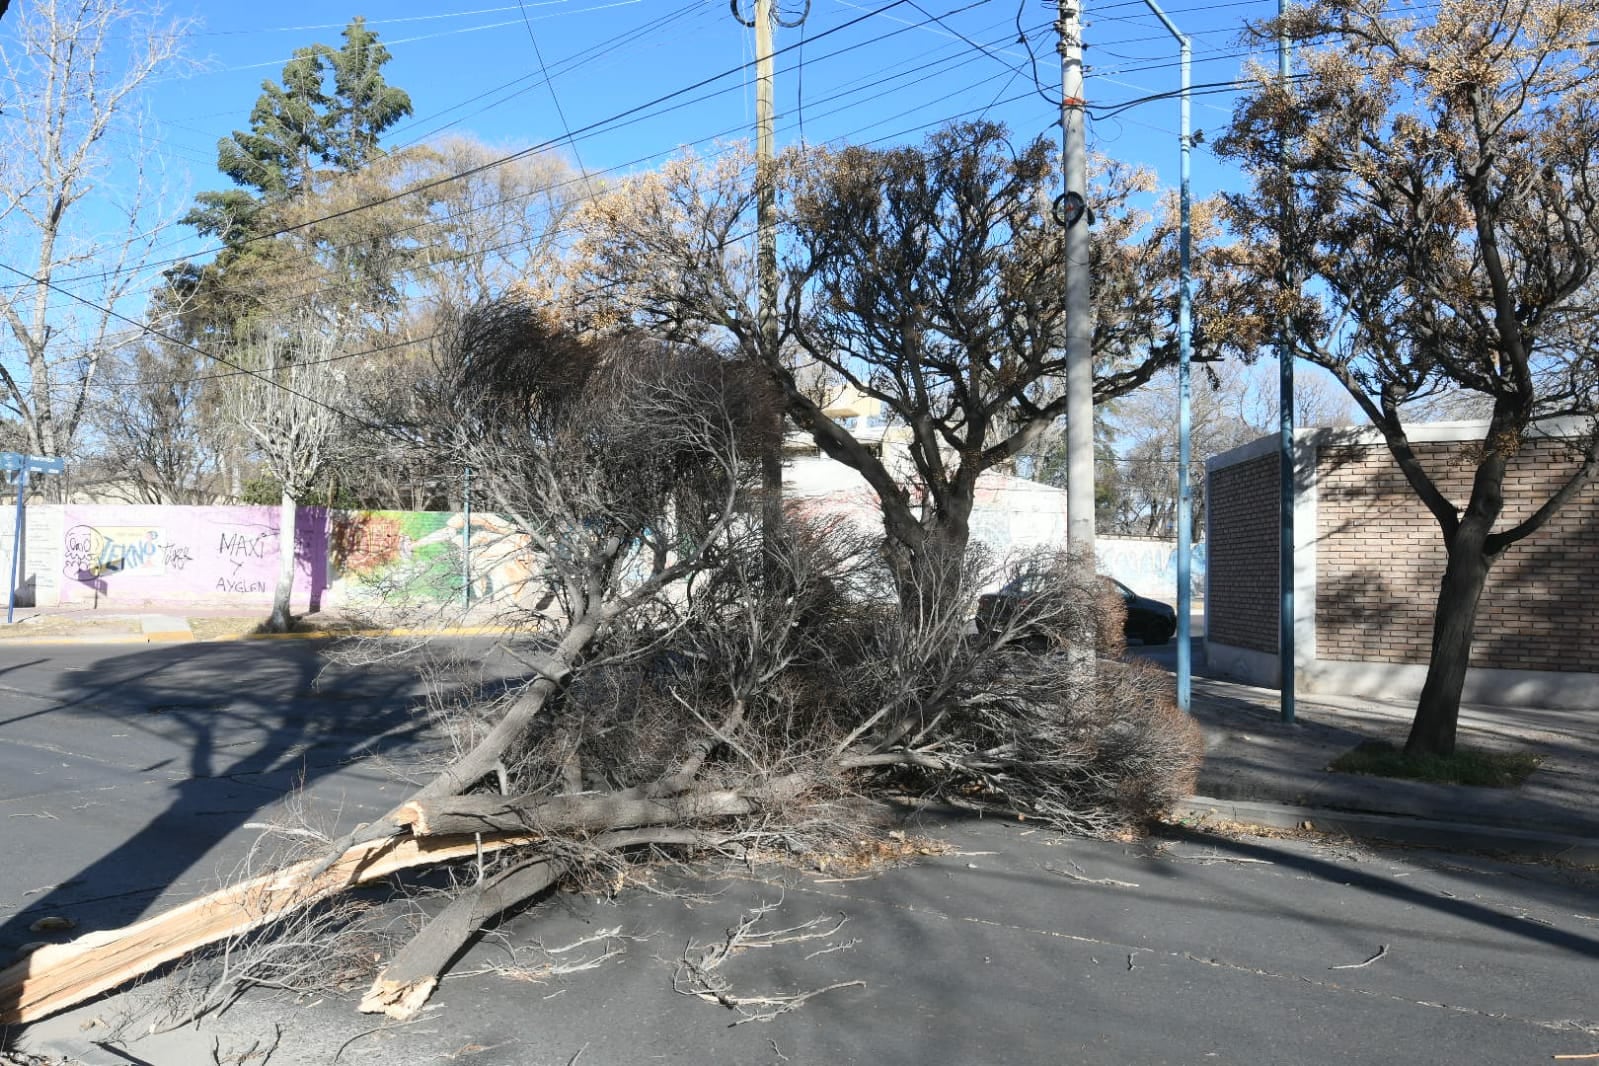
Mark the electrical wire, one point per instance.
(1107, 111)
(295, 298)
(158, 262)
(612, 122)
(1021, 37)
(555, 99)
(149, 331)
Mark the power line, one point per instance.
(236, 370)
(651, 28)
(610, 122)
(560, 112)
(142, 328)
(554, 232)
(1109, 112)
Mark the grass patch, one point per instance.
(68, 625)
(1485, 769)
(236, 627)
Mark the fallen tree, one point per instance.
(710, 688)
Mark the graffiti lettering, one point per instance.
(176, 556)
(237, 546)
(79, 555)
(240, 588)
(94, 552)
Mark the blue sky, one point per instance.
(853, 72)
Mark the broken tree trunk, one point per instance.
(409, 979)
(61, 975)
(489, 752)
(480, 813)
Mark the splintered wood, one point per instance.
(59, 976)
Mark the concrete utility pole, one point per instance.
(1079, 306)
(766, 257)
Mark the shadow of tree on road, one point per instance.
(240, 725)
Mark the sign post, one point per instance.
(17, 468)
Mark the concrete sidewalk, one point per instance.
(1260, 770)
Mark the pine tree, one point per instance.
(323, 119)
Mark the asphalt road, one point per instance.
(128, 778)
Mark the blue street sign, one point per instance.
(12, 462)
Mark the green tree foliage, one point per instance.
(323, 119)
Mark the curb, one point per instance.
(176, 637)
(1396, 829)
(109, 638)
(457, 631)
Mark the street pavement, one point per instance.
(131, 777)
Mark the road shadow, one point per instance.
(219, 732)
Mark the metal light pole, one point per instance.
(1185, 340)
(466, 533)
(1285, 418)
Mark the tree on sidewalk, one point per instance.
(323, 119)
(1432, 187)
(285, 400)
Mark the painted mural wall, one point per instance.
(394, 557)
(113, 556)
(134, 557)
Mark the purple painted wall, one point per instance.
(142, 556)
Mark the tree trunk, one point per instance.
(1454, 624)
(59, 976)
(280, 619)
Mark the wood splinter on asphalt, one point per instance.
(59, 975)
(1381, 951)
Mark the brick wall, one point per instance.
(1241, 604)
(1380, 558)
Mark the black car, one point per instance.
(1149, 621)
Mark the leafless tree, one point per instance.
(285, 401)
(925, 277)
(75, 243)
(157, 423)
(703, 685)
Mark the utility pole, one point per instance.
(1079, 307)
(766, 262)
(1285, 420)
